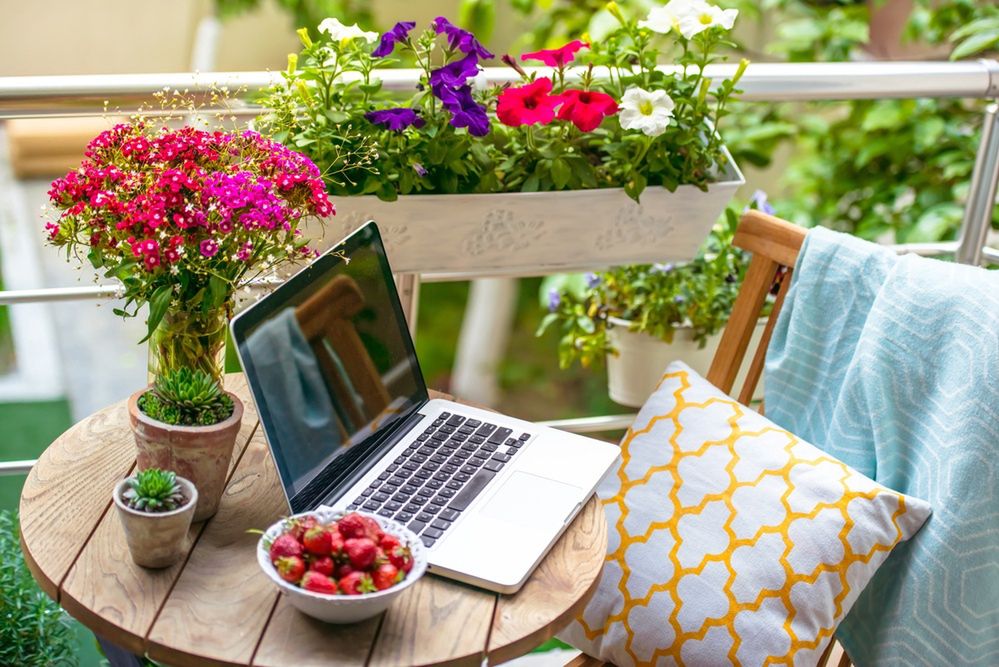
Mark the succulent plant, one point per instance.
(186, 397)
(154, 490)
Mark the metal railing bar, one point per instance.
(592, 424)
(981, 193)
(27, 96)
(16, 467)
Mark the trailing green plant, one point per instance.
(154, 490)
(656, 299)
(186, 397)
(34, 631)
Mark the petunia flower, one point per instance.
(396, 120)
(465, 111)
(665, 19)
(647, 111)
(586, 109)
(559, 57)
(398, 33)
(531, 104)
(701, 16)
(460, 39)
(761, 202)
(554, 300)
(455, 74)
(339, 32)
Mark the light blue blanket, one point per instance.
(892, 364)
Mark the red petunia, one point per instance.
(557, 57)
(528, 105)
(586, 108)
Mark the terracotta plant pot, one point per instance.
(156, 539)
(199, 453)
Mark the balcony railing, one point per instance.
(49, 96)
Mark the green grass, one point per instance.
(28, 428)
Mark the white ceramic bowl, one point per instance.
(343, 608)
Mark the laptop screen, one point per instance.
(330, 363)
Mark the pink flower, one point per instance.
(559, 57)
(209, 248)
(586, 108)
(528, 105)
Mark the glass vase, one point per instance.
(189, 338)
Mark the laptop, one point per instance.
(332, 369)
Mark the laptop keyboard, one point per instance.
(429, 485)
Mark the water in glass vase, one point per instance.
(189, 338)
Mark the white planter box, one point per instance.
(633, 374)
(537, 232)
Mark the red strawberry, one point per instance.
(372, 529)
(352, 525)
(360, 552)
(290, 568)
(285, 545)
(356, 583)
(402, 558)
(380, 557)
(301, 525)
(318, 541)
(389, 542)
(318, 583)
(336, 546)
(343, 570)
(323, 565)
(386, 576)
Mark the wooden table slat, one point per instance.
(220, 604)
(436, 622)
(556, 592)
(292, 638)
(68, 491)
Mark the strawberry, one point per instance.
(343, 570)
(301, 525)
(336, 547)
(402, 558)
(352, 525)
(389, 542)
(357, 583)
(360, 552)
(323, 565)
(380, 557)
(290, 568)
(373, 530)
(318, 583)
(318, 541)
(386, 576)
(285, 545)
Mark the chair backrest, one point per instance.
(774, 244)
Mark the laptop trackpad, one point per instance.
(532, 500)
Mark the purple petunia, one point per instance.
(395, 119)
(460, 39)
(592, 280)
(420, 170)
(761, 202)
(465, 111)
(398, 33)
(455, 74)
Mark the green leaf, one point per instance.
(887, 114)
(218, 290)
(158, 304)
(935, 224)
(976, 43)
(561, 173)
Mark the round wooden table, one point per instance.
(215, 607)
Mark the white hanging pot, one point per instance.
(634, 372)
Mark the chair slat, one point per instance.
(756, 366)
(763, 234)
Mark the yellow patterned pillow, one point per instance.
(731, 541)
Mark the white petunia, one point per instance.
(664, 19)
(689, 17)
(339, 32)
(645, 110)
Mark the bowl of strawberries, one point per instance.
(341, 567)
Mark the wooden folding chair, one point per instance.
(774, 244)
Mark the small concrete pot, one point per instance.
(199, 453)
(156, 539)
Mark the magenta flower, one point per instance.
(209, 248)
(559, 57)
(399, 33)
(396, 120)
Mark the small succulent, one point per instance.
(154, 490)
(186, 397)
